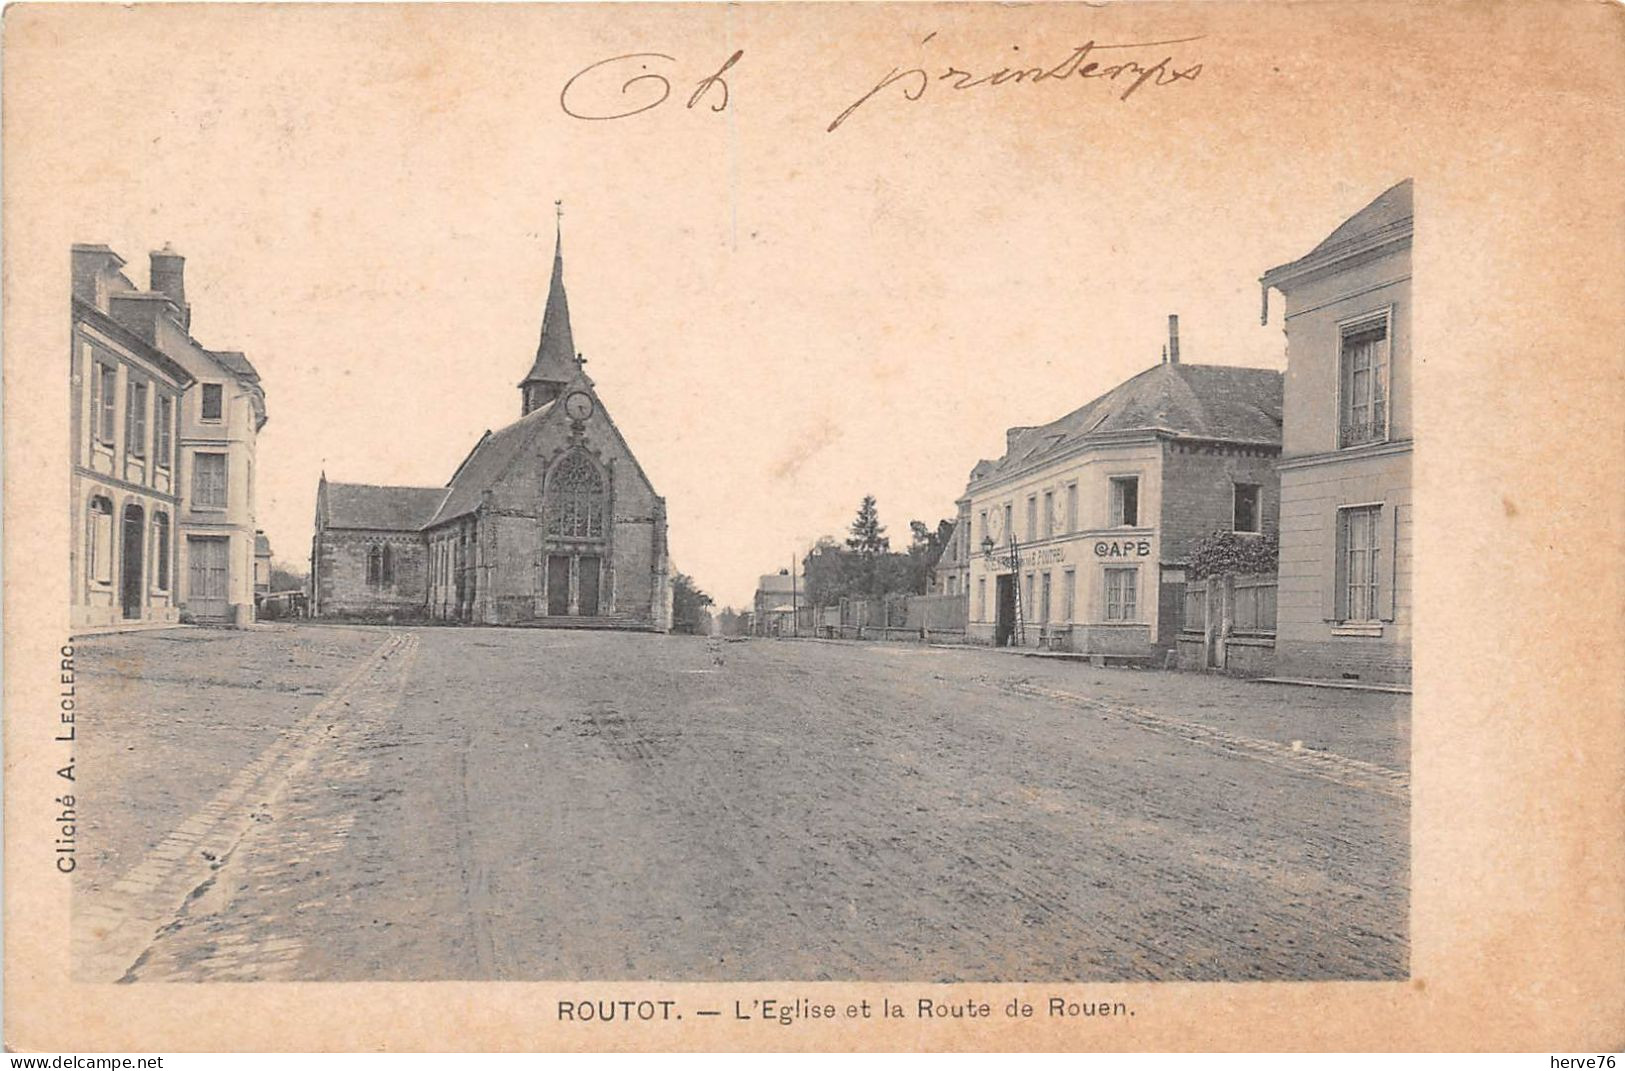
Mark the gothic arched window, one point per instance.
(380, 565)
(576, 498)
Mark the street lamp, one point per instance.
(987, 546)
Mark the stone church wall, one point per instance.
(341, 564)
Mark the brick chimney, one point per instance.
(1173, 339)
(168, 277)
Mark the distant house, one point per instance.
(775, 604)
(1345, 577)
(1078, 535)
(262, 564)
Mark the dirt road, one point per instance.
(487, 803)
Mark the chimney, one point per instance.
(1173, 339)
(168, 277)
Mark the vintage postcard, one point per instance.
(884, 526)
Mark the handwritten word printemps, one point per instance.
(1115, 65)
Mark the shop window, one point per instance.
(135, 418)
(1122, 594)
(1248, 514)
(1363, 384)
(209, 481)
(160, 551)
(99, 563)
(213, 401)
(1125, 501)
(1359, 556)
(106, 413)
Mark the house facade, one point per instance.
(773, 610)
(1344, 609)
(550, 520)
(126, 397)
(1078, 534)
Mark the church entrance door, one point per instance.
(558, 585)
(587, 571)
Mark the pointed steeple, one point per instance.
(555, 363)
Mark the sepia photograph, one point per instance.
(922, 498)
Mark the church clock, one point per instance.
(578, 404)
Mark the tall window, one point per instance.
(1122, 594)
(576, 498)
(160, 550)
(1049, 513)
(983, 523)
(135, 418)
(1032, 517)
(99, 561)
(1125, 501)
(1247, 512)
(213, 400)
(1072, 506)
(380, 565)
(1027, 596)
(1043, 600)
(981, 598)
(1360, 554)
(209, 481)
(163, 432)
(1009, 521)
(105, 414)
(1364, 384)
(1069, 594)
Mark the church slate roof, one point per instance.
(481, 469)
(1192, 401)
(375, 506)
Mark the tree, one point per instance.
(688, 606)
(868, 536)
(924, 553)
(286, 577)
(828, 572)
(731, 622)
(1223, 552)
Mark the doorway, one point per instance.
(131, 558)
(558, 585)
(587, 571)
(206, 558)
(1004, 620)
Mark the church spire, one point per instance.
(555, 363)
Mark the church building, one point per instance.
(548, 521)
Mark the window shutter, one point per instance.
(1332, 570)
(1388, 547)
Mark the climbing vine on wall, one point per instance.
(1226, 552)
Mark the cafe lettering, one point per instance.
(1122, 548)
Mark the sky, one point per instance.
(780, 318)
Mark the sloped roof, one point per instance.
(556, 352)
(236, 363)
(480, 470)
(395, 509)
(777, 584)
(1387, 218)
(1195, 401)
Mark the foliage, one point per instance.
(286, 577)
(1223, 553)
(730, 622)
(688, 606)
(868, 535)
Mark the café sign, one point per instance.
(1122, 548)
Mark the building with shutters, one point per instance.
(1076, 538)
(165, 431)
(548, 521)
(1344, 603)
